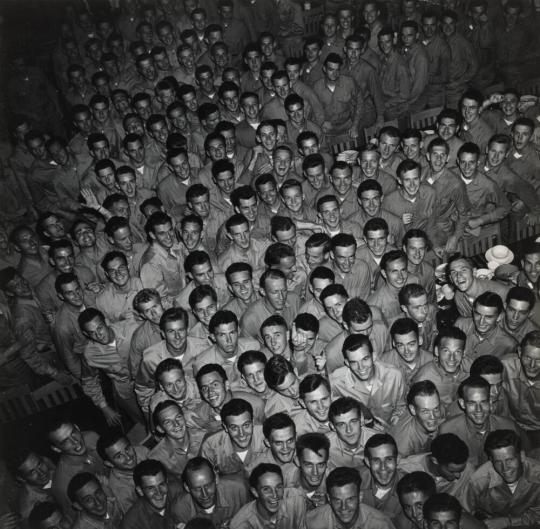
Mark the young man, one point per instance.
(273, 502)
(107, 350)
(484, 336)
(396, 275)
(280, 438)
(516, 321)
(179, 443)
(314, 391)
(349, 433)
(281, 378)
(344, 507)
(380, 478)
(121, 458)
(506, 488)
(235, 449)
(380, 387)
(239, 278)
(449, 367)
(415, 430)
(208, 497)
(477, 419)
(407, 353)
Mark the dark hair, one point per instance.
(502, 439)
(380, 439)
(391, 256)
(416, 481)
(194, 464)
(314, 441)
(442, 502)
(344, 405)
(353, 342)
(486, 365)
(521, 294)
(106, 440)
(423, 388)
(311, 383)
(356, 310)
(77, 482)
(167, 365)
(489, 299)
(448, 448)
(236, 407)
(276, 369)
(277, 421)
(148, 467)
(450, 333)
(173, 314)
(472, 382)
(341, 476)
(210, 368)
(403, 326)
(260, 470)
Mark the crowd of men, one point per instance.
(178, 237)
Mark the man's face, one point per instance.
(84, 235)
(35, 471)
(19, 287)
(370, 12)
(353, 51)
(240, 429)
(476, 405)
(202, 487)
(160, 131)
(507, 463)
(461, 274)
(345, 503)
(58, 153)
(312, 52)
(191, 235)
(511, 16)
(521, 136)
(497, 153)
(416, 250)
(360, 362)
(173, 383)
(190, 100)
(396, 273)
(407, 346)
(122, 455)
(282, 444)
(447, 128)
(470, 110)
(438, 158)
(77, 79)
(531, 266)
(334, 306)
(240, 235)
(282, 87)
(163, 234)
(186, 59)
(309, 146)
(317, 285)
(386, 44)
(315, 256)
(36, 146)
(199, 21)
(442, 520)
(282, 162)
(151, 310)
(213, 389)
(412, 504)
(417, 308)
(72, 294)
(180, 166)
(106, 177)
(165, 35)
(200, 205)
(370, 202)
(269, 492)
(382, 463)
(135, 151)
(369, 163)
(171, 420)
(330, 214)
(117, 272)
(287, 237)
(312, 467)
(485, 318)
(449, 354)
(410, 182)
(154, 489)
(54, 228)
(376, 242)
(530, 362)
(253, 61)
(63, 260)
(267, 136)
(100, 111)
(250, 107)
(427, 411)
(147, 69)
(345, 257)
(275, 338)
(248, 208)
(495, 381)
(241, 285)
(127, 184)
(388, 145)
(341, 180)
(289, 387)
(288, 266)
(331, 71)
(177, 118)
(68, 440)
(92, 500)
(226, 337)
(509, 105)
(83, 122)
(98, 331)
(206, 82)
(318, 403)
(448, 26)
(408, 36)
(411, 148)
(329, 26)
(205, 309)
(293, 198)
(253, 374)
(315, 176)
(225, 182)
(175, 334)
(230, 100)
(266, 78)
(348, 427)
(267, 46)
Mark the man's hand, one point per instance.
(407, 218)
(90, 198)
(64, 378)
(474, 223)
(496, 523)
(10, 520)
(112, 417)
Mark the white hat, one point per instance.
(500, 254)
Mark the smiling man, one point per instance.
(380, 387)
(344, 508)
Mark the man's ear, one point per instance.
(108, 464)
(412, 411)
(461, 403)
(139, 492)
(224, 426)
(55, 449)
(383, 273)
(262, 292)
(254, 492)
(76, 506)
(212, 338)
(266, 443)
